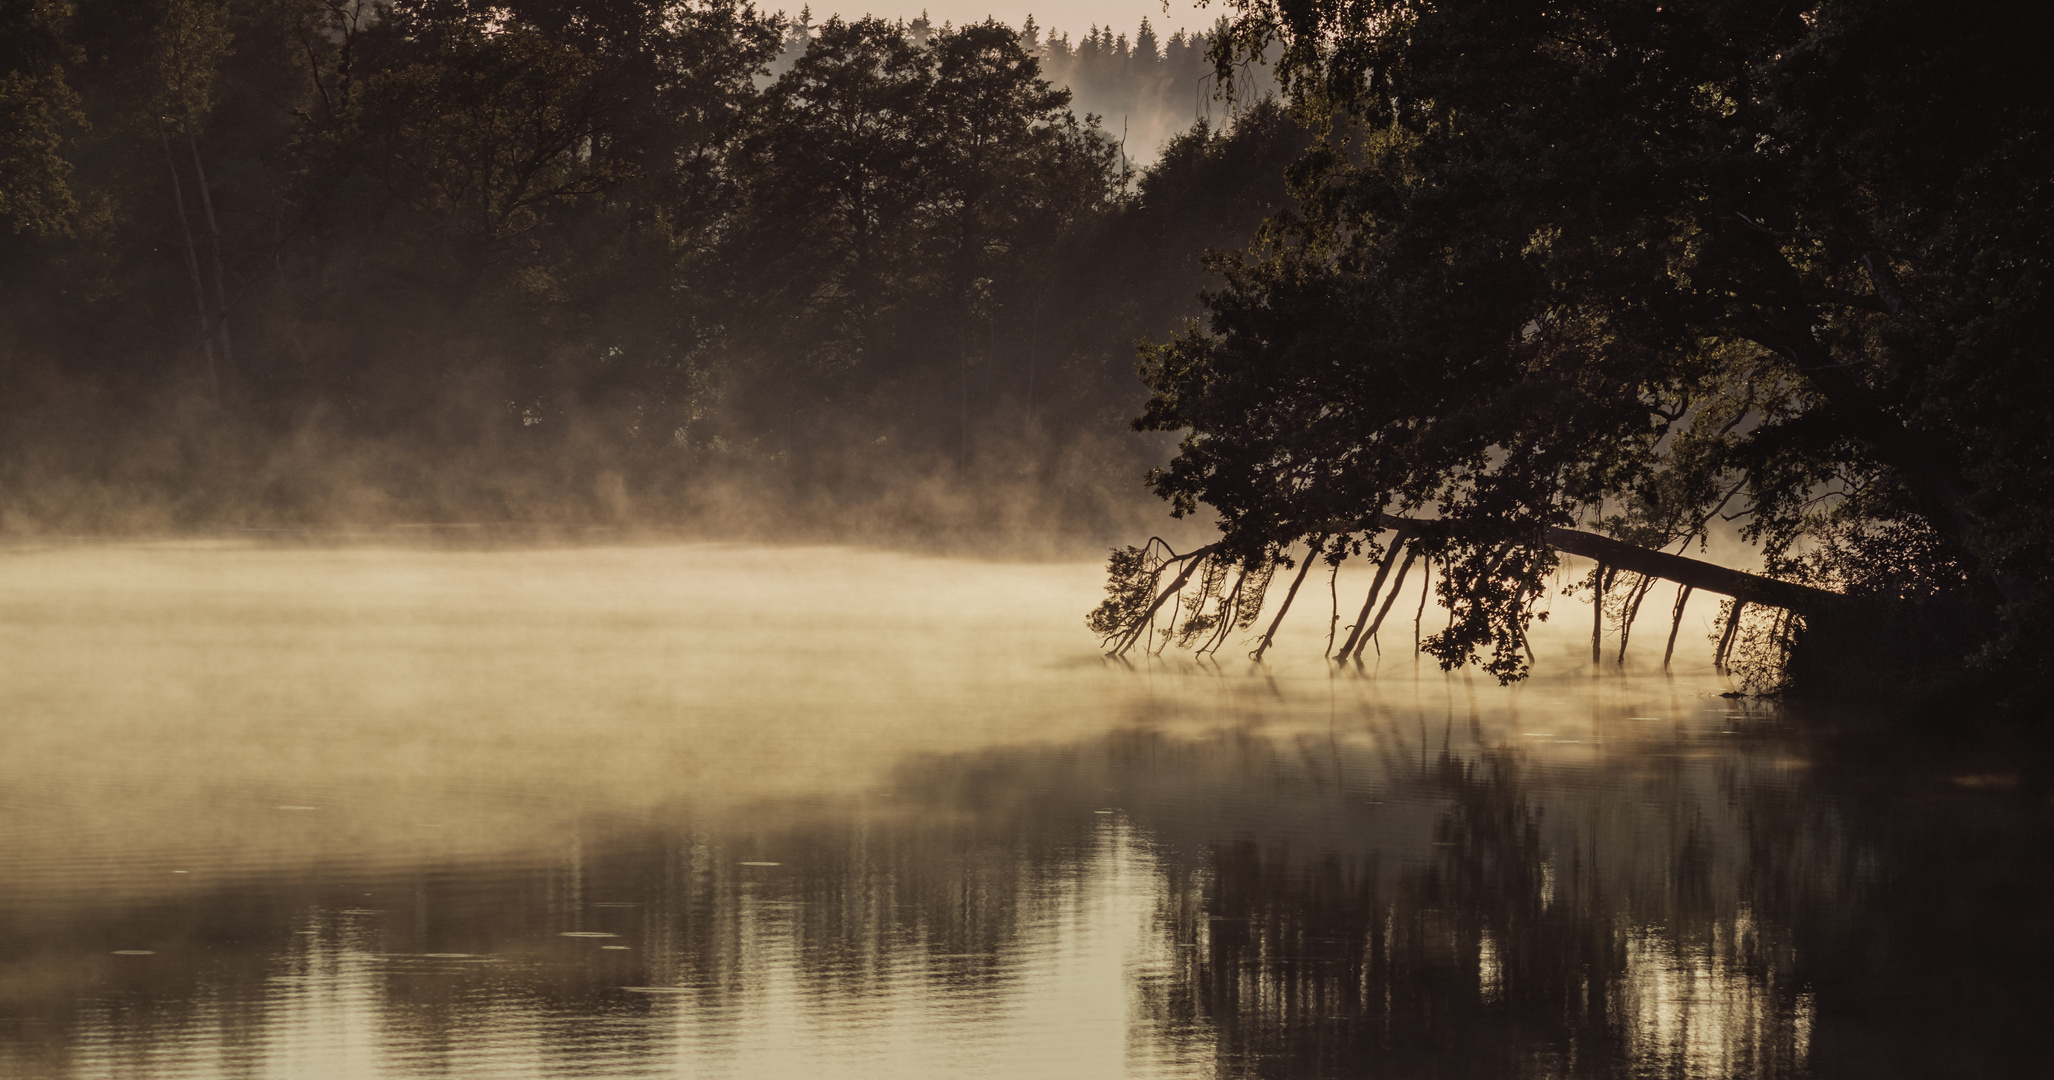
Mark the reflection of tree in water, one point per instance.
(1386, 904)
(1517, 946)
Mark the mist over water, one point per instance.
(391, 810)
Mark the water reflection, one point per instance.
(1078, 872)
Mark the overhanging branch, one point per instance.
(1140, 587)
(1696, 573)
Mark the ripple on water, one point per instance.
(1303, 872)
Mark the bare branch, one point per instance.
(1383, 570)
(1310, 557)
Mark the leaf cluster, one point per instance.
(1642, 267)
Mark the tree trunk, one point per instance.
(192, 266)
(214, 243)
(1696, 573)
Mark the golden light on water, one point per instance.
(403, 811)
(386, 689)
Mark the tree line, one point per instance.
(1149, 88)
(622, 236)
(1145, 89)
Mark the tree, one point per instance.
(490, 259)
(905, 185)
(191, 44)
(1636, 267)
(519, 190)
(994, 129)
(835, 174)
(35, 104)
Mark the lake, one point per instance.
(438, 809)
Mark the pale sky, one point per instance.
(1069, 16)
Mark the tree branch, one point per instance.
(1683, 570)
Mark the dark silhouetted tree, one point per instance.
(1638, 267)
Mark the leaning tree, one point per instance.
(1591, 275)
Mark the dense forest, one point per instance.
(1144, 90)
(275, 262)
(1490, 283)
(1149, 90)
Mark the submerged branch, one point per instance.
(1725, 646)
(1397, 583)
(1289, 595)
(1233, 588)
(1639, 593)
(1376, 586)
(1600, 578)
(1123, 616)
(1676, 623)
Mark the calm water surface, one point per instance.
(677, 811)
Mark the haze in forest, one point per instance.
(563, 535)
(355, 266)
(1479, 294)
(1166, 18)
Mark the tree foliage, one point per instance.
(35, 104)
(565, 239)
(1642, 266)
